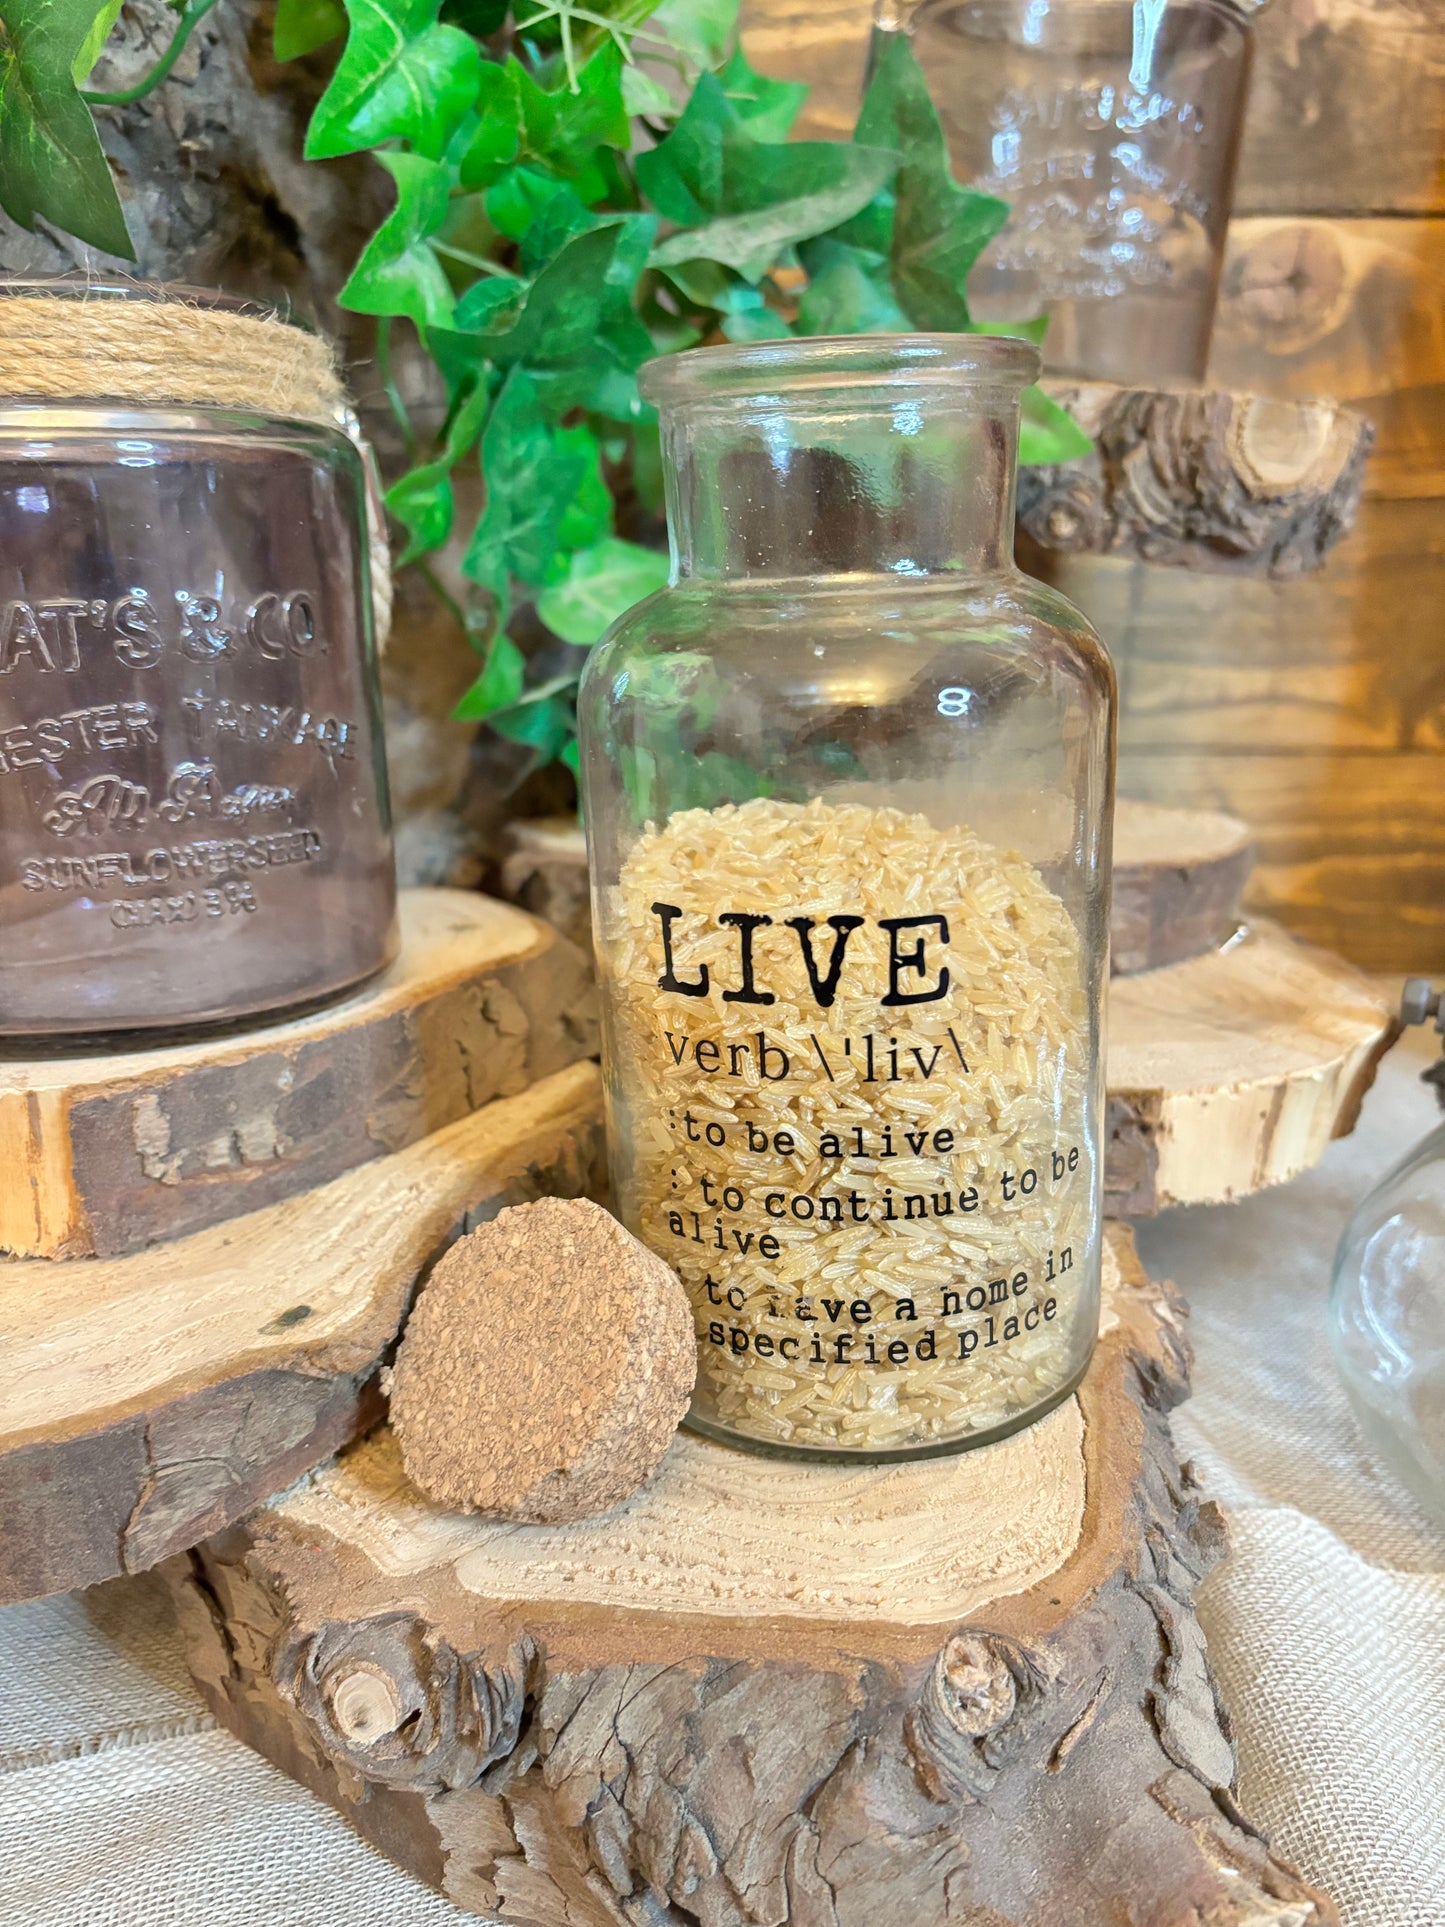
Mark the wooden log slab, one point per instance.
(153, 1398)
(1200, 479)
(544, 868)
(104, 1155)
(1179, 876)
(969, 1689)
(1233, 1071)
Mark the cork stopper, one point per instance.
(546, 1366)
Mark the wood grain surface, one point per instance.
(835, 1696)
(1234, 1071)
(1314, 710)
(153, 1398)
(1350, 308)
(1205, 480)
(1179, 877)
(101, 1155)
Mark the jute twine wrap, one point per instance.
(173, 352)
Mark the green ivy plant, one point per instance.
(577, 189)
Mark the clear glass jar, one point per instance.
(848, 793)
(1112, 128)
(1387, 1303)
(194, 825)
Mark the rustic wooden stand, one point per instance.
(154, 1398)
(161, 1388)
(212, 1245)
(967, 1689)
(101, 1155)
(1200, 479)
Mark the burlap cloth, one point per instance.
(121, 1806)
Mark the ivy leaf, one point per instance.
(479, 18)
(936, 229)
(745, 314)
(700, 30)
(519, 198)
(498, 138)
(490, 304)
(683, 176)
(422, 499)
(753, 198)
(767, 108)
(563, 130)
(757, 323)
(96, 36)
(398, 273)
(1032, 330)
(402, 76)
(1049, 433)
(51, 163)
(545, 718)
(575, 329)
(562, 217)
(601, 584)
(751, 243)
(644, 94)
(301, 26)
(498, 686)
(848, 293)
(588, 516)
(532, 479)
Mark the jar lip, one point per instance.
(839, 361)
(114, 286)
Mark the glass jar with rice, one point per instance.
(848, 790)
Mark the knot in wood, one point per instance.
(971, 1694)
(364, 1703)
(389, 1697)
(977, 1687)
(1063, 509)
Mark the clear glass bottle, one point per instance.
(848, 792)
(1112, 129)
(1387, 1301)
(194, 825)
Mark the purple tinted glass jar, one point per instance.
(194, 826)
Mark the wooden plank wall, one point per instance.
(1315, 709)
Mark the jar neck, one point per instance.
(901, 487)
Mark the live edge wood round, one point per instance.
(1178, 879)
(151, 1399)
(968, 1690)
(1233, 1071)
(101, 1155)
(1199, 478)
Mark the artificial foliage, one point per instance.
(577, 189)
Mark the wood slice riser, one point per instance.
(1054, 1758)
(104, 1155)
(173, 1390)
(1178, 880)
(1198, 478)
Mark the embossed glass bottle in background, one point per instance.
(1112, 128)
(193, 813)
(848, 788)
